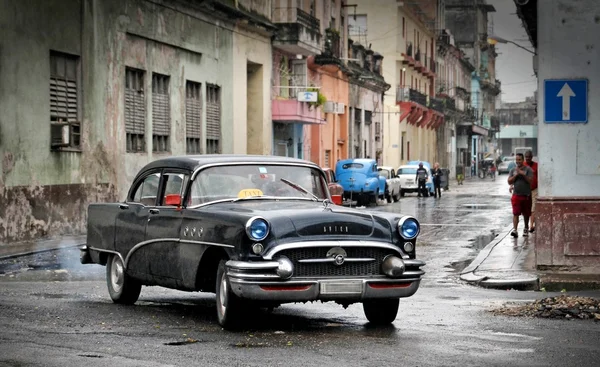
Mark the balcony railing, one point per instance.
(308, 20)
(449, 103)
(296, 15)
(436, 104)
(332, 43)
(409, 49)
(405, 94)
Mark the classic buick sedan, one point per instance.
(254, 230)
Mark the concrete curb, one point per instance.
(34, 247)
(523, 280)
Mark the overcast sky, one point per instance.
(514, 66)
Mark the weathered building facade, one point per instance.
(518, 125)
(567, 240)
(99, 88)
(467, 21)
(410, 116)
(367, 88)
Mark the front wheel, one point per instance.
(381, 311)
(122, 288)
(229, 306)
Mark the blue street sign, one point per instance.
(566, 101)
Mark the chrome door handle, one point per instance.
(153, 211)
(123, 206)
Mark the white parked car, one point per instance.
(392, 183)
(503, 167)
(407, 175)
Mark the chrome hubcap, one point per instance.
(223, 296)
(117, 276)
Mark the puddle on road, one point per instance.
(479, 242)
(482, 206)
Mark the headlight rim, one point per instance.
(249, 229)
(401, 223)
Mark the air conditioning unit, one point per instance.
(339, 108)
(59, 135)
(329, 107)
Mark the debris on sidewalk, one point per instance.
(561, 307)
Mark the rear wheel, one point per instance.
(381, 311)
(229, 306)
(122, 288)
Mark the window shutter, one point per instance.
(213, 119)
(193, 117)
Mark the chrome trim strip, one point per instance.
(245, 265)
(331, 260)
(250, 277)
(193, 242)
(144, 243)
(310, 244)
(108, 251)
(414, 262)
(313, 281)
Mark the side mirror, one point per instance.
(173, 200)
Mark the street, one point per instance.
(57, 312)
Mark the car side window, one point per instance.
(174, 186)
(147, 191)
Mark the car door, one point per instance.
(164, 229)
(131, 222)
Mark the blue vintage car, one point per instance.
(361, 180)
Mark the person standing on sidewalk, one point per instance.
(421, 178)
(437, 180)
(534, 186)
(520, 177)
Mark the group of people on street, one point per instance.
(423, 175)
(523, 181)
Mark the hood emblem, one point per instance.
(338, 255)
(335, 229)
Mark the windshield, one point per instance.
(407, 171)
(352, 166)
(239, 182)
(384, 172)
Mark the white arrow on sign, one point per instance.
(566, 93)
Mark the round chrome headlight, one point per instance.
(257, 228)
(409, 228)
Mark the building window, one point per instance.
(213, 119)
(357, 28)
(368, 117)
(327, 158)
(135, 111)
(193, 117)
(161, 113)
(65, 129)
(403, 27)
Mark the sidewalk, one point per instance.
(30, 247)
(505, 263)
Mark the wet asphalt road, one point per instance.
(57, 312)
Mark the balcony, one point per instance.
(298, 32)
(405, 94)
(449, 103)
(332, 43)
(436, 104)
(292, 111)
(492, 86)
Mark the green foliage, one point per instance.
(321, 99)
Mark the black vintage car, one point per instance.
(255, 230)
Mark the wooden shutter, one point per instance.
(213, 119)
(161, 111)
(193, 117)
(135, 108)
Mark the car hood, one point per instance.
(301, 219)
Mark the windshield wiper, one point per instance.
(299, 188)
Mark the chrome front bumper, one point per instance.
(259, 281)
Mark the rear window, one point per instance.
(352, 166)
(407, 171)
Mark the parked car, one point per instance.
(254, 230)
(392, 183)
(361, 180)
(503, 167)
(335, 189)
(428, 183)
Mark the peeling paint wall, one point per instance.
(45, 193)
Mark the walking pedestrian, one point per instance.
(520, 178)
(421, 179)
(437, 173)
(534, 186)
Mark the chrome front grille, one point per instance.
(307, 269)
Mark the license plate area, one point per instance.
(341, 287)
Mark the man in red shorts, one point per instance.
(520, 177)
(534, 186)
